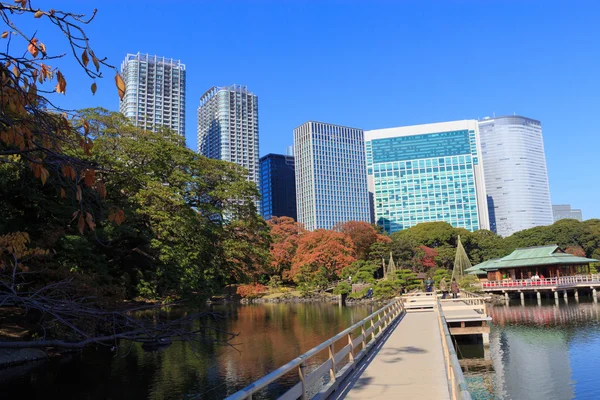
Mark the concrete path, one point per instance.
(408, 364)
(466, 312)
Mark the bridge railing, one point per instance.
(546, 282)
(457, 386)
(371, 328)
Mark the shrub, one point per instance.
(342, 288)
(358, 295)
(275, 282)
(439, 274)
(251, 291)
(386, 289)
(470, 283)
(408, 279)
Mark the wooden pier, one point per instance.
(403, 350)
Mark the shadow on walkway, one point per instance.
(354, 380)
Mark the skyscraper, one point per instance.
(155, 92)
(228, 127)
(515, 174)
(331, 182)
(427, 173)
(277, 186)
(564, 211)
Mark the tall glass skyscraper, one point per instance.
(427, 173)
(228, 127)
(331, 182)
(515, 174)
(277, 186)
(155, 92)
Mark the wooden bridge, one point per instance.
(403, 350)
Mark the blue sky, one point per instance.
(372, 64)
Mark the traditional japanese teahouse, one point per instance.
(542, 261)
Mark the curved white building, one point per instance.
(515, 172)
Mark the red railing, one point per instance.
(546, 282)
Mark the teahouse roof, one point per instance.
(481, 268)
(532, 257)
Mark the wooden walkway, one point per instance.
(408, 364)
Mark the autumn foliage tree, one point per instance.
(35, 134)
(285, 235)
(363, 236)
(321, 256)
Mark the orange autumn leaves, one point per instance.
(44, 139)
(297, 254)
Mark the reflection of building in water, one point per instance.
(531, 359)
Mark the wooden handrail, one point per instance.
(457, 386)
(540, 283)
(385, 316)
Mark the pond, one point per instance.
(536, 352)
(270, 335)
(540, 352)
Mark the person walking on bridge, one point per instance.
(454, 288)
(444, 287)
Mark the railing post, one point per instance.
(351, 354)
(332, 358)
(364, 337)
(302, 375)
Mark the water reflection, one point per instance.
(541, 352)
(270, 336)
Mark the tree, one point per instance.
(362, 234)
(192, 218)
(408, 279)
(285, 234)
(361, 271)
(144, 211)
(34, 133)
(321, 256)
(424, 257)
(380, 250)
(575, 250)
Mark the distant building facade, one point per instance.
(564, 211)
(427, 173)
(154, 92)
(515, 174)
(228, 127)
(331, 182)
(277, 186)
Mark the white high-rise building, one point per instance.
(427, 173)
(564, 211)
(228, 127)
(516, 178)
(331, 181)
(154, 92)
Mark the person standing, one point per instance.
(454, 288)
(444, 287)
(429, 284)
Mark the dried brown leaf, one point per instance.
(90, 221)
(84, 58)
(120, 85)
(61, 85)
(80, 224)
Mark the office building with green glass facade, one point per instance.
(427, 173)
